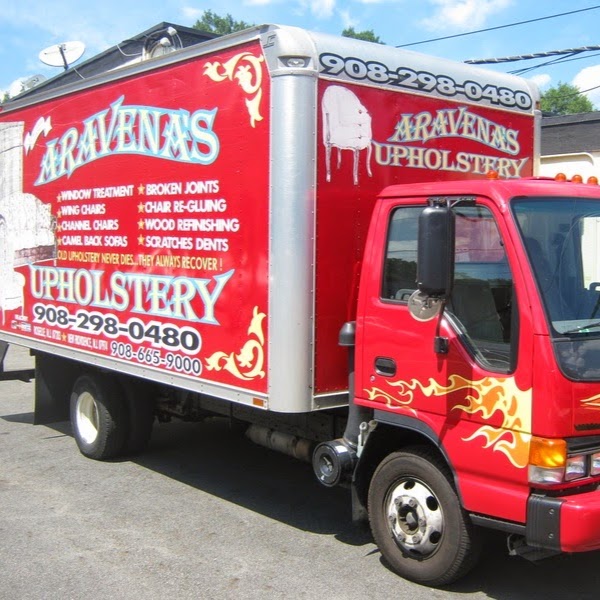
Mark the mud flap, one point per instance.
(54, 377)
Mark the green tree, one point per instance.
(565, 99)
(214, 23)
(368, 35)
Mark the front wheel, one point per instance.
(98, 416)
(417, 520)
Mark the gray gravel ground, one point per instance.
(206, 514)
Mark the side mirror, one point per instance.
(435, 258)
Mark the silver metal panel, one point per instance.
(292, 227)
(362, 64)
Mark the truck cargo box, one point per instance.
(199, 219)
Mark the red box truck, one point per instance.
(296, 231)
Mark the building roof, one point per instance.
(568, 134)
(126, 52)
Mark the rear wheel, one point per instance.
(417, 520)
(99, 416)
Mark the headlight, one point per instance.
(545, 476)
(595, 464)
(576, 467)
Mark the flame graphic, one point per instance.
(485, 398)
(593, 402)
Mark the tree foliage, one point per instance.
(565, 99)
(368, 35)
(214, 23)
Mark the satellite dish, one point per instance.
(160, 48)
(62, 55)
(423, 307)
(161, 42)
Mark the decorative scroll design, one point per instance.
(485, 397)
(247, 69)
(249, 363)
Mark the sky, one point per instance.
(29, 26)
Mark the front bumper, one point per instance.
(564, 524)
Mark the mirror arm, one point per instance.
(440, 343)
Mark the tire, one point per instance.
(140, 407)
(417, 520)
(99, 416)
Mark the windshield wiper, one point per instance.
(581, 328)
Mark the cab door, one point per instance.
(395, 349)
(470, 399)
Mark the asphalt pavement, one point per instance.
(206, 514)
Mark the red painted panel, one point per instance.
(135, 219)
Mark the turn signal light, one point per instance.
(547, 461)
(549, 453)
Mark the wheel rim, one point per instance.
(415, 517)
(87, 418)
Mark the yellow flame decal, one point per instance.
(593, 402)
(485, 398)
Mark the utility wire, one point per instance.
(567, 59)
(563, 56)
(556, 61)
(449, 37)
(568, 51)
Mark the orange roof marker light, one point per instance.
(560, 177)
(577, 179)
(492, 175)
(592, 180)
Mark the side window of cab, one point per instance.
(481, 304)
(400, 269)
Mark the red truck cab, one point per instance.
(485, 384)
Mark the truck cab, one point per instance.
(488, 378)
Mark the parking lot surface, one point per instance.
(206, 514)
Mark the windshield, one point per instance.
(562, 239)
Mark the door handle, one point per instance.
(385, 366)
